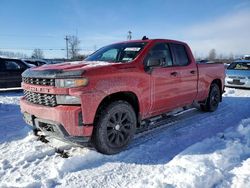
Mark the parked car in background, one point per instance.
(202, 61)
(36, 62)
(238, 74)
(246, 57)
(226, 65)
(10, 72)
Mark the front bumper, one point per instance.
(63, 122)
(53, 129)
(243, 83)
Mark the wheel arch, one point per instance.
(219, 83)
(127, 96)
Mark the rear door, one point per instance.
(187, 73)
(3, 74)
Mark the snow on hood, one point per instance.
(91, 63)
(75, 65)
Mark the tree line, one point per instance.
(213, 55)
(73, 52)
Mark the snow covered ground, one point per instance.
(200, 150)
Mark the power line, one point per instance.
(48, 49)
(24, 36)
(45, 49)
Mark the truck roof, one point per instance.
(242, 61)
(152, 40)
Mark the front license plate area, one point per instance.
(28, 119)
(236, 82)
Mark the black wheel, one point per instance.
(114, 128)
(213, 99)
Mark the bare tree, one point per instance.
(37, 54)
(220, 56)
(231, 56)
(74, 49)
(212, 54)
(13, 54)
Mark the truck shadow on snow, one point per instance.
(162, 145)
(12, 126)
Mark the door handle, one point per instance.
(173, 73)
(192, 71)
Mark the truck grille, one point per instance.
(39, 81)
(236, 82)
(236, 77)
(40, 98)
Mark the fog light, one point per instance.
(67, 99)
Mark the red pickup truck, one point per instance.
(107, 98)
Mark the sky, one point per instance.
(204, 24)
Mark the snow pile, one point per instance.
(10, 97)
(222, 160)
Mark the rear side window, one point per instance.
(179, 54)
(162, 52)
(239, 66)
(12, 65)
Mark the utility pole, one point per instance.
(129, 37)
(67, 51)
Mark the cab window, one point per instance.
(162, 52)
(121, 52)
(110, 55)
(179, 54)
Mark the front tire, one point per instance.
(213, 99)
(115, 128)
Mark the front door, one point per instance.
(165, 81)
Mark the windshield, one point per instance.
(122, 52)
(239, 66)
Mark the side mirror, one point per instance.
(153, 62)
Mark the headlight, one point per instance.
(68, 83)
(67, 99)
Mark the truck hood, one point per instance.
(67, 69)
(74, 65)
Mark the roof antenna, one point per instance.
(144, 38)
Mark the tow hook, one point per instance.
(42, 139)
(35, 131)
(62, 153)
(40, 136)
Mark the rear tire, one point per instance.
(212, 100)
(115, 128)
